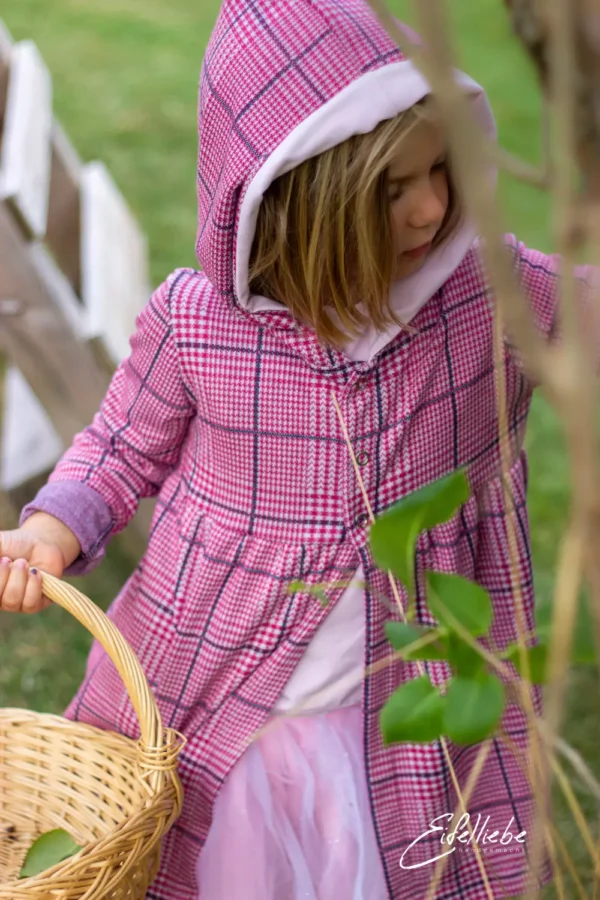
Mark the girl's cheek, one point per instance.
(398, 226)
(442, 190)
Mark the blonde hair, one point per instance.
(323, 237)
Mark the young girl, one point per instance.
(329, 222)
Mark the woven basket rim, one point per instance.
(91, 731)
(55, 722)
(15, 714)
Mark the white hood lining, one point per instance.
(358, 109)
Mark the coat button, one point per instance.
(362, 520)
(361, 385)
(363, 458)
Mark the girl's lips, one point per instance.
(417, 252)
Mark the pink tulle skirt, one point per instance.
(293, 821)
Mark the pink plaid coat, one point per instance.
(226, 415)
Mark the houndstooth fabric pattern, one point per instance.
(228, 418)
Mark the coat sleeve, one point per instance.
(133, 443)
(539, 275)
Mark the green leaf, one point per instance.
(319, 593)
(47, 851)
(451, 596)
(440, 499)
(316, 590)
(413, 713)
(584, 645)
(401, 635)
(393, 542)
(394, 535)
(538, 661)
(463, 658)
(474, 707)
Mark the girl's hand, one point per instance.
(43, 542)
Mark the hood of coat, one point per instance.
(285, 80)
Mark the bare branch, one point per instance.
(520, 169)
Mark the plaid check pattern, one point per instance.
(228, 418)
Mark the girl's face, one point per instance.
(418, 195)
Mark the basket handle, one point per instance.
(158, 748)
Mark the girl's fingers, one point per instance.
(5, 564)
(14, 591)
(20, 587)
(33, 601)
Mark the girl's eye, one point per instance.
(439, 166)
(395, 191)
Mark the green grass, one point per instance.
(125, 77)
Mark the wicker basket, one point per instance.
(115, 796)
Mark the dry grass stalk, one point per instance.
(520, 169)
(434, 26)
(555, 38)
(564, 784)
(462, 801)
(563, 40)
(471, 163)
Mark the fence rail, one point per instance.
(73, 277)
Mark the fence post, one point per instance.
(73, 276)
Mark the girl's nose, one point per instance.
(429, 208)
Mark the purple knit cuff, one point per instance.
(81, 509)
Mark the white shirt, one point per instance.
(330, 673)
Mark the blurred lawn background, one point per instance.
(125, 79)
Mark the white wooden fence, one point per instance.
(73, 276)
